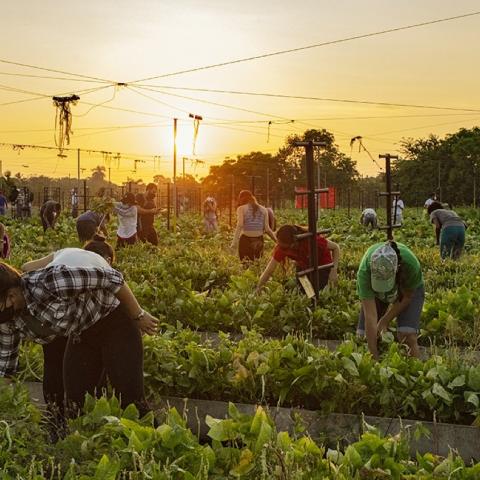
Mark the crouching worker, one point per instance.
(369, 218)
(288, 246)
(390, 285)
(96, 310)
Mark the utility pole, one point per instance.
(78, 169)
(389, 194)
(174, 192)
(268, 188)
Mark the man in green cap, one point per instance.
(390, 285)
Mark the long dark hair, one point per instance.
(287, 234)
(398, 276)
(246, 196)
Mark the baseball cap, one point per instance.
(383, 268)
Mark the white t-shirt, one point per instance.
(428, 202)
(127, 220)
(399, 204)
(369, 211)
(77, 257)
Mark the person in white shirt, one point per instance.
(369, 218)
(397, 211)
(432, 198)
(127, 212)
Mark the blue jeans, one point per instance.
(408, 321)
(452, 241)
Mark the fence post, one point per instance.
(85, 199)
(168, 206)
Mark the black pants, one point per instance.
(150, 234)
(250, 248)
(86, 229)
(112, 347)
(322, 278)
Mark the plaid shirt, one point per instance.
(60, 301)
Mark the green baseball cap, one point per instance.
(383, 268)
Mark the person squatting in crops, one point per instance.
(449, 230)
(127, 212)
(49, 213)
(252, 223)
(298, 250)
(90, 223)
(92, 306)
(390, 285)
(210, 215)
(95, 253)
(369, 218)
(3, 204)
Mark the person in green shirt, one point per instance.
(390, 285)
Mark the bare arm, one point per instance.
(370, 312)
(267, 273)
(394, 310)
(146, 323)
(37, 264)
(335, 249)
(268, 230)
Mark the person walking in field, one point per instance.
(210, 215)
(449, 230)
(390, 285)
(252, 223)
(369, 218)
(95, 309)
(432, 198)
(288, 246)
(49, 213)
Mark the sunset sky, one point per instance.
(120, 41)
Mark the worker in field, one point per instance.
(298, 250)
(4, 241)
(91, 305)
(49, 213)
(369, 218)
(449, 230)
(90, 223)
(398, 206)
(210, 215)
(390, 285)
(252, 224)
(149, 234)
(431, 198)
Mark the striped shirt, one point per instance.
(254, 221)
(60, 301)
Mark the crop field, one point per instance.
(219, 340)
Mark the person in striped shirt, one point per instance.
(252, 224)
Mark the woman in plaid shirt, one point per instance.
(91, 306)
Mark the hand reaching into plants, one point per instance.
(148, 324)
(333, 277)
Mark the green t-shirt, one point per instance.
(411, 275)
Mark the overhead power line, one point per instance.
(318, 99)
(46, 69)
(308, 47)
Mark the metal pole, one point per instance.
(232, 195)
(175, 211)
(168, 206)
(78, 169)
(312, 220)
(388, 201)
(268, 187)
(85, 200)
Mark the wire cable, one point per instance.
(318, 99)
(308, 47)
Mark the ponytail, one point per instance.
(398, 275)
